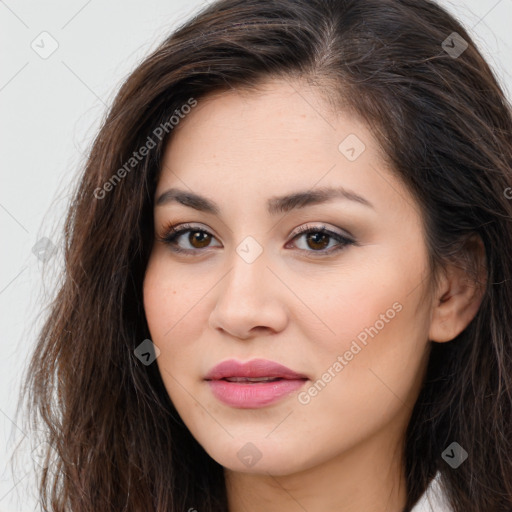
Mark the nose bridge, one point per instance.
(248, 276)
(246, 298)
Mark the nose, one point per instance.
(250, 300)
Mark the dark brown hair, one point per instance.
(442, 121)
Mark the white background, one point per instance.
(51, 109)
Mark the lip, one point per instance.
(253, 368)
(252, 395)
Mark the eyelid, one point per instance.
(172, 228)
(322, 227)
(173, 231)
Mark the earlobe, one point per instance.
(460, 294)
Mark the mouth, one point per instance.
(254, 370)
(254, 384)
(252, 380)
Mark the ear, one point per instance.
(459, 294)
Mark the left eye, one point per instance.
(320, 237)
(316, 238)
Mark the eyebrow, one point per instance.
(275, 205)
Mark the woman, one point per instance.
(288, 281)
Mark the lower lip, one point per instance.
(250, 396)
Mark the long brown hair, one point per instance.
(444, 124)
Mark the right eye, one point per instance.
(197, 239)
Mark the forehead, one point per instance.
(279, 138)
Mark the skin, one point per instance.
(342, 451)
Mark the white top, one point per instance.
(433, 499)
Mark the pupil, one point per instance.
(323, 237)
(195, 237)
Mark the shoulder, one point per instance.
(433, 499)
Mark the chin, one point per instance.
(260, 456)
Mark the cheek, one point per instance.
(167, 310)
(369, 376)
(172, 306)
(170, 298)
(351, 305)
(373, 337)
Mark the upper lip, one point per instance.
(253, 368)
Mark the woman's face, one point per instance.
(347, 316)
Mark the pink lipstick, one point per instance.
(253, 384)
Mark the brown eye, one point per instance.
(199, 239)
(317, 240)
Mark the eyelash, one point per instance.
(172, 232)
